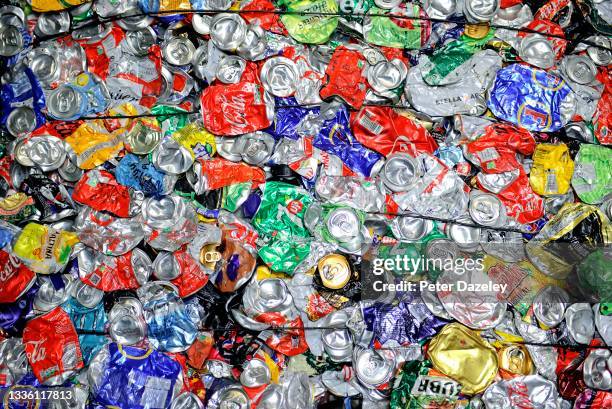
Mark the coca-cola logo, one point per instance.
(9, 268)
(38, 351)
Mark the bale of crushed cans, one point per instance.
(283, 204)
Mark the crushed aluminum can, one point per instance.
(441, 9)
(601, 55)
(11, 40)
(169, 222)
(201, 23)
(597, 369)
(86, 295)
(140, 41)
(387, 75)
(45, 64)
(486, 209)
(409, 229)
(480, 10)
(230, 69)
(227, 31)
(467, 238)
(178, 51)
(579, 69)
(229, 148)
(255, 373)
(400, 172)
(537, 50)
(49, 24)
(373, 367)
(549, 305)
(66, 103)
(580, 322)
(171, 157)
(135, 22)
(187, 400)
(337, 339)
(279, 76)
(49, 296)
(535, 391)
(21, 121)
(109, 273)
(107, 233)
(127, 325)
(256, 148)
(46, 151)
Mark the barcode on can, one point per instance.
(551, 182)
(370, 125)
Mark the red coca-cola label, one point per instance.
(52, 345)
(235, 109)
(99, 190)
(221, 172)
(15, 277)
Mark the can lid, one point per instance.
(44, 64)
(256, 147)
(255, 373)
(343, 223)
(172, 158)
(227, 31)
(486, 209)
(597, 372)
(136, 22)
(166, 267)
(21, 121)
(536, 50)
(254, 45)
(46, 151)
(230, 69)
(580, 69)
(580, 322)
(279, 76)
(399, 172)
(65, 103)
(387, 75)
(86, 295)
(178, 51)
(187, 400)
(549, 305)
(140, 41)
(49, 24)
(127, 329)
(334, 271)
(601, 55)
(371, 367)
(480, 10)
(11, 40)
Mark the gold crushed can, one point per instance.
(461, 354)
(552, 169)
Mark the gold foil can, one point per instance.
(476, 31)
(461, 354)
(334, 271)
(515, 359)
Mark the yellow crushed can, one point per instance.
(461, 354)
(552, 169)
(44, 249)
(55, 5)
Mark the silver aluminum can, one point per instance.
(400, 171)
(92, 34)
(171, 157)
(372, 367)
(596, 371)
(46, 151)
(601, 55)
(125, 306)
(140, 41)
(187, 400)
(66, 102)
(165, 266)
(86, 295)
(279, 76)
(227, 31)
(200, 61)
(335, 382)
(537, 50)
(387, 75)
(169, 95)
(480, 10)
(230, 69)
(127, 329)
(486, 209)
(580, 69)
(178, 51)
(48, 297)
(254, 46)
(255, 373)
(11, 40)
(141, 139)
(228, 148)
(496, 182)
(256, 148)
(49, 24)
(441, 9)
(466, 237)
(12, 15)
(406, 228)
(21, 121)
(580, 322)
(549, 305)
(343, 224)
(44, 61)
(232, 396)
(108, 8)
(91, 261)
(170, 222)
(337, 339)
(272, 398)
(20, 152)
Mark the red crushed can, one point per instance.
(52, 347)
